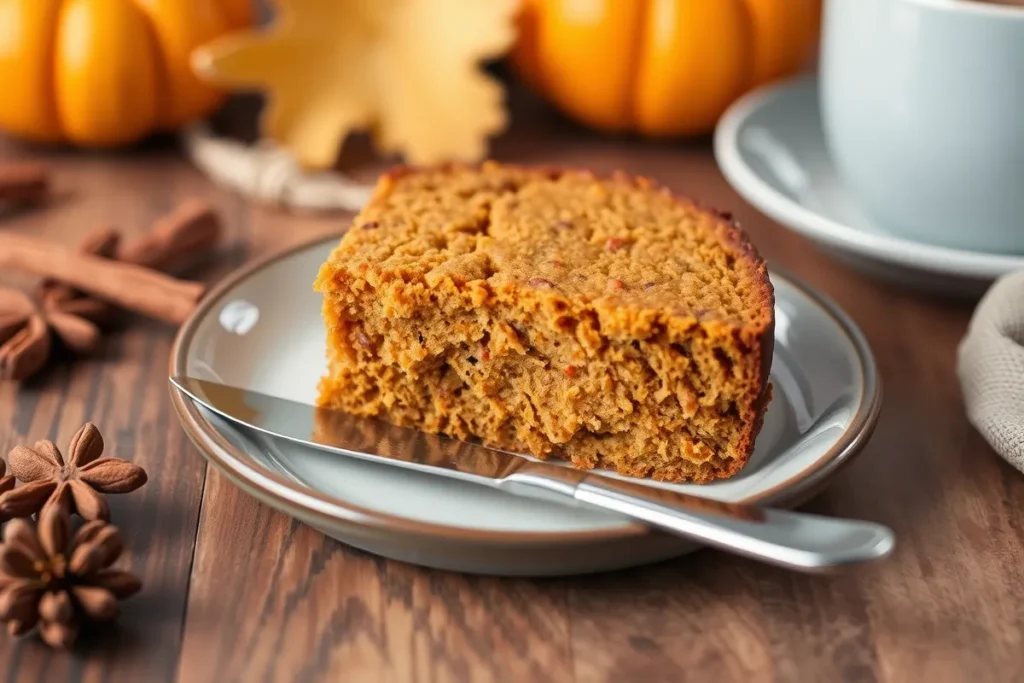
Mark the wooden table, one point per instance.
(236, 592)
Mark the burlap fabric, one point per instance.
(991, 368)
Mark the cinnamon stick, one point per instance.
(23, 182)
(129, 286)
(176, 238)
(52, 294)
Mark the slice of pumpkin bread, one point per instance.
(603, 321)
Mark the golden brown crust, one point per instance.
(605, 321)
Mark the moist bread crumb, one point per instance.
(600, 320)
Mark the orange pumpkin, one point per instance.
(104, 73)
(659, 67)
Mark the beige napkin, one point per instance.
(991, 368)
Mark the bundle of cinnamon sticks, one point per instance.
(127, 276)
(83, 288)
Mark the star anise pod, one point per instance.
(75, 485)
(24, 336)
(51, 578)
(27, 326)
(27, 329)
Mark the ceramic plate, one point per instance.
(771, 148)
(261, 329)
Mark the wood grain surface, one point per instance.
(237, 592)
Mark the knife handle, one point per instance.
(795, 540)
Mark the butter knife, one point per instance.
(795, 540)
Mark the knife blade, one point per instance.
(350, 435)
(795, 540)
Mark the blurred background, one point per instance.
(351, 85)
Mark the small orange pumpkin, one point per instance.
(104, 73)
(659, 67)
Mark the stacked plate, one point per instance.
(261, 330)
(771, 148)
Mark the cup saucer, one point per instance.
(771, 148)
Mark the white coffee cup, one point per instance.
(923, 110)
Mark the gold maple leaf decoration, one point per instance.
(406, 70)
